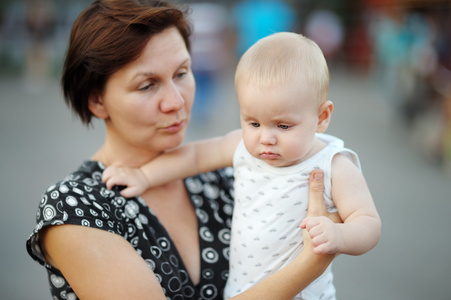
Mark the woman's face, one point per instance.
(147, 103)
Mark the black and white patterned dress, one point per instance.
(82, 199)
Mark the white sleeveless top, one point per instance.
(270, 204)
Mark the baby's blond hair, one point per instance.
(281, 57)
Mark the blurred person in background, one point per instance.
(255, 19)
(411, 63)
(128, 63)
(210, 54)
(326, 29)
(442, 79)
(40, 21)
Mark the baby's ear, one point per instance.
(324, 116)
(97, 107)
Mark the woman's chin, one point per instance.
(176, 139)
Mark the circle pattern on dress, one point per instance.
(82, 199)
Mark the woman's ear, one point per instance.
(97, 107)
(324, 115)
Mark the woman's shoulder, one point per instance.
(85, 183)
(88, 173)
(80, 198)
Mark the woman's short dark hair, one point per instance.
(108, 35)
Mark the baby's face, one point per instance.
(278, 123)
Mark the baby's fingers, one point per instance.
(110, 172)
(322, 248)
(106, 175)
(131, 191)
(112, 176)
(112, 181)
(309, 222)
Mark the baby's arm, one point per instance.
(361, 227)
(184, 161)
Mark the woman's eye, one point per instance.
(146, 86)
(255, 124)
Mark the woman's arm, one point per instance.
(99, 264)
(292, 279)
(187, 160)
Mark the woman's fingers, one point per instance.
(316, 214)
(335, 217)
(316, 205)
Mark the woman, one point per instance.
(128, 63)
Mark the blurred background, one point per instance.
(390, 68)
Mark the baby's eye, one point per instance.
(282, 126)
(255, 124)
(181, 74)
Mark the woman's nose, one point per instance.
(172, 99)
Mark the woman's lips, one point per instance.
(175, 127)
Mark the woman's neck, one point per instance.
(117, 154)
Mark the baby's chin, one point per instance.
(279, 163)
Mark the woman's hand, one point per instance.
(318, 218)
(316, 205)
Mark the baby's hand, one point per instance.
(133, 178)
(325, 234)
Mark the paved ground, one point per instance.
(40, 142)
